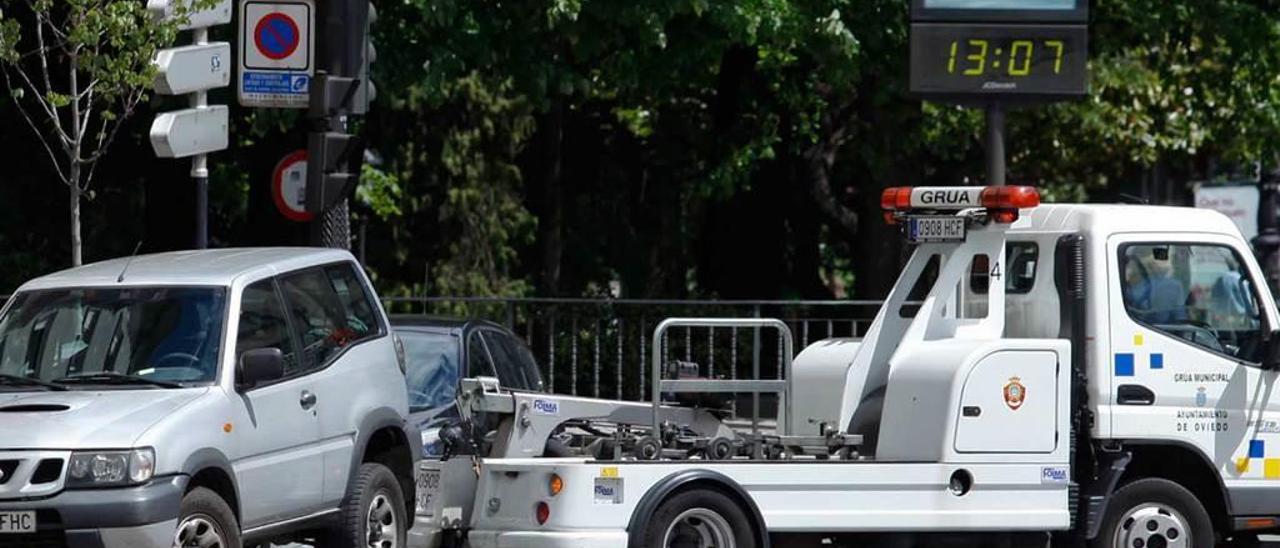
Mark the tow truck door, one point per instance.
(1186, 339)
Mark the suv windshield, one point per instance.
(104, 336)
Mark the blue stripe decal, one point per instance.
(1257, 449)
(1157, 361)
(1124, 365)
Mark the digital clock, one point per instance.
(970, 63)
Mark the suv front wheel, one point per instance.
(206, 521)
(373, 515)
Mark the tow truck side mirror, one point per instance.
(1271, 360)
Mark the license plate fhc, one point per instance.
(17, 522)
(936, 229)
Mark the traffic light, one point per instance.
(338, 91)
(334, 157)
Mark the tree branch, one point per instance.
(820, 158)
(41, 19)
(127, 109)
(53, 158)
(40, 98)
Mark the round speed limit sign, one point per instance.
(289, 187)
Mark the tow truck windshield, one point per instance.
(79, 338)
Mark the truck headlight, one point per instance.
(111, 468)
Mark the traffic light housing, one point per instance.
(340, 89)
(344, 31)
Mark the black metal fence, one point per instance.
(601, 347)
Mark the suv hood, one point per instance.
(105, 419)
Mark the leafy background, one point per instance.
(675, 148)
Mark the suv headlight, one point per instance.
(111, 468)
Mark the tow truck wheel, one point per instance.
(701, 518)
(1155, 513)
(719, 449)
(648, 448)
(205, 520)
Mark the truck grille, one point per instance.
(48, 471)
(32, 474)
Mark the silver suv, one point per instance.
(220, 398)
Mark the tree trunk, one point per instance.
(552, 224)
(74, 187)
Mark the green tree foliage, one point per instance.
(676, 141)
(1177, 88)
(482, 215)
(675, 148)
(77, 68)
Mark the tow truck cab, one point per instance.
(1101, 371)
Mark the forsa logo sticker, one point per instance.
(1053, 474)
(1015, 393)
(546, 407)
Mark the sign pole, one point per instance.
(995, 144)
(193, 70)
(200, 162)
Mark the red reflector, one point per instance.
(896, 198)
(543, 513)
(890, 218)
(1004, 216)
(1010, 197)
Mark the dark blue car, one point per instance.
(442, 351)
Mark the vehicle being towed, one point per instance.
(204, 398)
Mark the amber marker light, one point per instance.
(556, 484)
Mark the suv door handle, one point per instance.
(1133, 394)
(307, 400)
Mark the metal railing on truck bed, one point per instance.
(603, 347)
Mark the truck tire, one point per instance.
(375, 500)
(1157, 512)
(702, 518)
(204, 519)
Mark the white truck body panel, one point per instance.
(791, 496)
(978, 379)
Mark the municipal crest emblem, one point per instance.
(1201, 397)
(1014, 393)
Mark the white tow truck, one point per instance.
(1096, 375)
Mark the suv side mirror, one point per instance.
(258, 366)
(1271, 357)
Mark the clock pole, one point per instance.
(995, 144)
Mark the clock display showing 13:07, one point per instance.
(1015, 58)
(958, 61)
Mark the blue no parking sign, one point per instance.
(276, 51)
(276, 36)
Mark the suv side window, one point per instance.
(356, 302)
(263, 324)
(478, 362)
(330, 311)
(515, 369)
(1200, 293)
